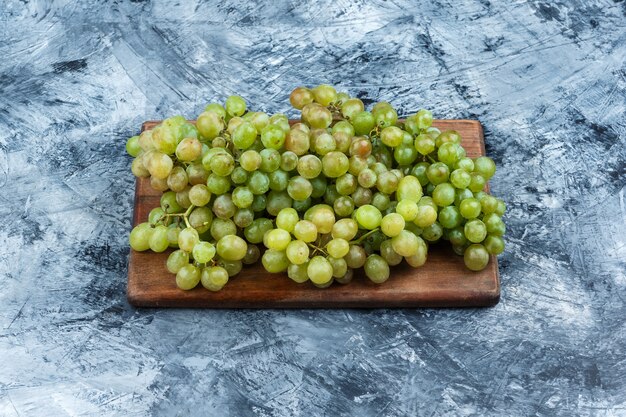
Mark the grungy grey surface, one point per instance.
(546, 79)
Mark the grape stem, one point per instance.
(359, 240)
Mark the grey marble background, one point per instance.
(546, 79)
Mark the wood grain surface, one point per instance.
(443, 281)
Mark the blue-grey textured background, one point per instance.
(547, 80)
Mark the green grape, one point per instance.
(449, 153)
(244, 135)
(259, 120)
(222, 227)
(280, 120)
(235, 105)
(169, 203)
(339, 265)
(252, 255)
(362, 196)
(448, 136)
(223, 206)
(323, 143)
(494, 244)
(297, 252)
(360, 146)
(424, 144)
(305, 231)
(216, 108)
(243, 217)
(242, 197)
(287, 219)
(357, 164)
(258, 183)
(172, 235)
(273, 137)
(363, 123)
(300, 97)
(255, 232)
(288, 161)
(189, 149)
(160, 165)
(270, 160)
(176, 260)
(309, 166)
(475, 231)
(368, 217)
(177, 180)
(299, 188)
(197, 174)
(259, 203)
(433, 232)
(405, 154)
(476, 257)
(437, 173)
(356, 257)
(444, 194)
(388, 254)
(158, 239)
(419, 172)
(182, 198)
(488, 204)
(278, 239)
(407, 209)
(275, 261)
(298, 272)
(461, 195)
(385, 116)
(351, 107)
(346, 184)
(138, 169)
(222, 164)
(343, 140)
(392, 136)
(367, 178)
(132, 146)
(470, 208)
(477, 182)
(231, 248)
(319, 270)
(188, 277)
(203, 252)
(316, 116)
(381, 201)
(324, 94)
(335, 164)
(343, 126)
(343, 206)
(322, 216)
(278, 200)
(409, 188)
(450, 217)
(164, 139)
(140, 237)
(250, 160)
(297, 141)
(209, 125)
(418, 258)
(494, 224)
(405, 243)
(156, 215)
(392, 224)
(387, 182)
(460, 178)
(376, 269)
(345, 229)
(319, 186)
(201, 219)
(500, 208)
(239, 175)
(217, 185)
(484, 166)
(424, 118)
(214, 278)
(232, 267)
(199, 195)
(479, 195)
(456, 236)
(338, 248)
(466, 164)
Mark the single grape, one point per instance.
(132, 146)
(391, 136)
(250, 160)
(433, 232)
(409, 188)
(270, 160)
(363, 123)
(176, 260)
(450, 217)
(335, 164)
(214, 278)
(187, 277)
(322, 216)
(392, 224)
(345, 229)
(276, 201)
(309, 166)
(343, 206)
(437, 173)
(297, 252)
(356, 257)
(244, 135)
(338, 248)
(273, 137)
(324, 94)
(444, 194)
(319, 270)
(275, 261)
(494, 224)
(158, 239)
(188, 238)
(407, 209)
(305, 230)
(300, 97)
(252, 255)
(475, 231)
(203, 252)
(476, 257)
(278, 239)
(460, 178)
(288, 161)
(222, 227)
(470, 208)
(299, 188)
(232, 267)
(368, 217)
(351, 108)
(235, 105)
(209, 125)
(477, 182)
(388, 254)
(298, 272)
(500, 208)
(140, 237)
(405, 243)
(376, 269)
(484, 166)
(231, 248)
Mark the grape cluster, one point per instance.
(342, 189)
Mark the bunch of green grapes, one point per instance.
(342, 189)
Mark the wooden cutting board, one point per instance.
(443, 281)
